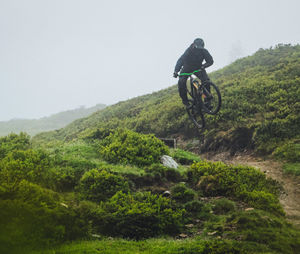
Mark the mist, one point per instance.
(60, 54)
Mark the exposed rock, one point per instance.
(189, 225)
(249, 209)
(96, 236)
(166, 194)
(183, 236)
(212, 233)
(64, 205)
(168, 161)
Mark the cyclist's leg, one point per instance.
(182, 89)
(202, 75)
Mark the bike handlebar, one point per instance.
(189, 74)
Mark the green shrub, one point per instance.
(194, 207)
(141, 216)
(13, 142)
(162, 173)
(156, 169)
(64, 178)
(223, 206)
(182, 194)
(31, 216)
(77, 154)
(289, 151)
(184, 157)
(242, 182)
(32, 165)
(99, 185)
(292, 168)
(264, 228)
(126, 146)
(161, 245)
(262, 200)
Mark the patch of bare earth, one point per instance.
(290, 200)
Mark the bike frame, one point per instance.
(200, 91)
(191, 77)
(196, 87)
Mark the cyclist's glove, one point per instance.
(175, 74)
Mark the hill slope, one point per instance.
(261, 107)
(55, 121)
(95, 179)
(111, 189)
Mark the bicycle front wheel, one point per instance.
(196, 116)
(211, 98)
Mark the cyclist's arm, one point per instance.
(208, 59)
(180, 61)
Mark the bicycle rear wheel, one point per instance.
(196, 116)
(211, 98)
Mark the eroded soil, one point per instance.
(290, 200)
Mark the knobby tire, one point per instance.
(215, 101)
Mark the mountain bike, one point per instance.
(204, 97)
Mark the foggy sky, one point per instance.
(57, 55)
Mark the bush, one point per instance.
(182, 194)
(223, 206)
(292, 168)
(13, 142)
(78, 155)
(31, 216)
(185, 157)
(264, 228)
(263, 200)
(32, 165)
(241, 182)
(157, 170)
(194, 207)
(141, 216)
(161, 172)
(289, 151)
(64, 178)
(99, 185)
(126, 146)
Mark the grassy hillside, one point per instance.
(261, 108)
(105, 193)
(96, 186)
(53, 122)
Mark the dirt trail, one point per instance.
(291, 184)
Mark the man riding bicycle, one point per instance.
(190, 61)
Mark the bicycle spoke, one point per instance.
(196, 116)
(211, 98)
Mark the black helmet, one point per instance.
(198, 43)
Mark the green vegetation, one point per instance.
(98, 186)
(244, 183)
(290, 153)
(138, 216)
(184, 157)
(126, 146)
(158, 246)
(292, 168)
(182, 194)
(260, 107)
(70, 192)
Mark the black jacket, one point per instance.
(192, 59)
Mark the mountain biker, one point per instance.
(190, 61)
